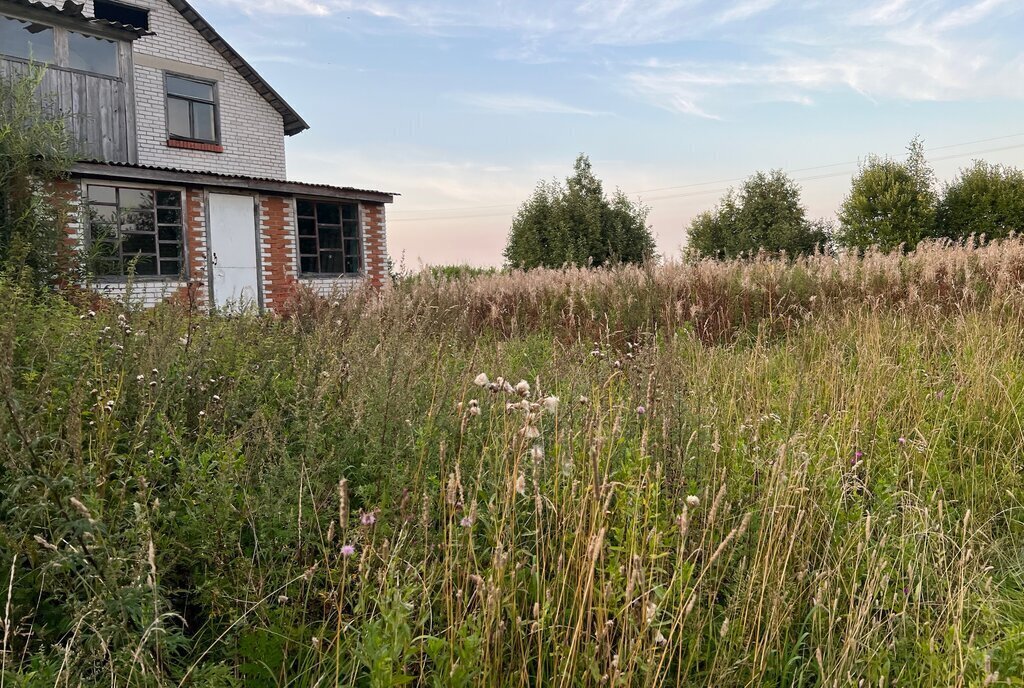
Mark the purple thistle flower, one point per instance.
(902, 440)
(466, 521)
(640, 410)
(347, 550)
(368, 518)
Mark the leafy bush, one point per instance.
(766, 215)
(891, 203)
(577, 224)
(33, 155)
(985, 200)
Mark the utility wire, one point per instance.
(703, 192)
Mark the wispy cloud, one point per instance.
(517, 103)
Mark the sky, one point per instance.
(463, 106)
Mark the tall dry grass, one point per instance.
(714, 474)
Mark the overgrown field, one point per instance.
(743, 474)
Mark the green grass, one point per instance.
(793, 483)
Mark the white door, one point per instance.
(233, 252)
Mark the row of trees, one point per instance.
(891, 204)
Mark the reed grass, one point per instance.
(752, 473)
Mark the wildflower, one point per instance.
(522, 388)
(347, 551)
(140, 378)
(316, 642)
(474, 410)
(281, 599)
(659, 639)
(531, 432)
(584, 400)
(368, 518)
(640, 410)
(154, 372)
(550, 404)
(858, 454)
(216, 397)
(92, 314)
(151, 453)
(693, 501)
(152, 383)
(521, 484)
(202, 414)
(902, 440)
(481, 380)
(537, 452)
(466, 521)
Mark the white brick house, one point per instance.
(181, 184)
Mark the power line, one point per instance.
(704, 192)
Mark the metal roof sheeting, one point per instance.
(128, 171)
(76, 11)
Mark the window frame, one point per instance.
(215, 103)
(61, 59)
(299, 255)
(183, 253)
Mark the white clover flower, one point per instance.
(481, 380)
(550, 404)
(693, 501)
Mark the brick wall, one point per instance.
(277, 250)
(375, 244)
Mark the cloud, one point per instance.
(744, 10)
(514, 103)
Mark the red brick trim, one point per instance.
(195, 145)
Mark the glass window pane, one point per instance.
(169, 250)
(92, 54)
(102, 248)
(330, 262)
(350, 211)
(328, 213)
(168, 216)
(307, 226)
(136, 198)
(307, 246)
(170, 267)
(177, 118)
(24, 39)
(351, 247)
(352, 265)
(351, 230)
(309, 264)
(203, 121)
(107, 267)
(168, 199)
(144, 265)
(137, 221)
(189, 88)
(138, 243)
(305, 208)
(170, 233)
(101, 194)
(330, 237)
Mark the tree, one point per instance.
(576, 223)
(984, 200)
(890, 203)
(33, 154)
(765, 214)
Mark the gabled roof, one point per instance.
(293, 123)
(76, 12)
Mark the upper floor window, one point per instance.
(123, 14)
(191, 109)
(26, 40)
(134, 229)
(328, 237)
(92, 54)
